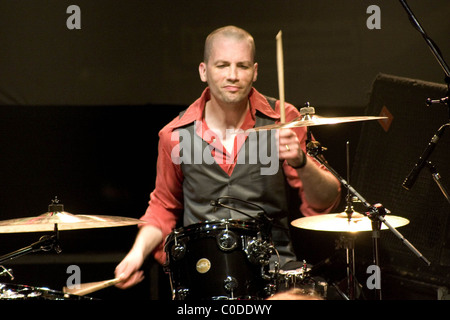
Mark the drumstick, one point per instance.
(280, 75)
(90, 287)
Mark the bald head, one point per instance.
(227, 32)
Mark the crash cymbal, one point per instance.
(64, 221)
(339, 222)
(315, 121)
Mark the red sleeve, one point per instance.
(166, 200)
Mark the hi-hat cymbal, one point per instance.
(64, 221)
(315, 121)
(339, 222)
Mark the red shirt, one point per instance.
(166, 201)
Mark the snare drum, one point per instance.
(300, 279)
(289, 279)
(226, 259)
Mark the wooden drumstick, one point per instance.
(280, 67)
(90, 287)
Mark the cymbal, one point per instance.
(315, 121)
(64, 221)
(339, 222)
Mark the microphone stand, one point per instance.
(437, 178)
(433, 47)
(423, 160)
(375, 212)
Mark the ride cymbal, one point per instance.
(339, 222)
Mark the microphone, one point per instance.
(412, 177)
(262, 217)
(217, 204)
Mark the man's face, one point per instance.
(230, 70)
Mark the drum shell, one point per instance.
(204, 268)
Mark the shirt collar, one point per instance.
(195, 111)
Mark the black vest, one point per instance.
(257, 178)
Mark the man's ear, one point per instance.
(202, 72)
(255, 75)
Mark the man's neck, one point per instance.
(225, 119)
(220, 116)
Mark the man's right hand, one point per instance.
(128, 270)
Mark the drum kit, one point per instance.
(231, 259)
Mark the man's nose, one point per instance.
(233, 73)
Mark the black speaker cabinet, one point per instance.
(386, 153)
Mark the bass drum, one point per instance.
(226, 259)
(23, 292)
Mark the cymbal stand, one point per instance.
(375, 212)
(45, 243)
(349, 198)
(349, 240)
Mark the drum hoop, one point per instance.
(217, 224)
(210, 225)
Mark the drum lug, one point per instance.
(259, 252)
(270, 289)
(230, 284)
(181, 294)
(227, 240)
(178, 251)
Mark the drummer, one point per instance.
(214, 130)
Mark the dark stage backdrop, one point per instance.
(133, 52)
